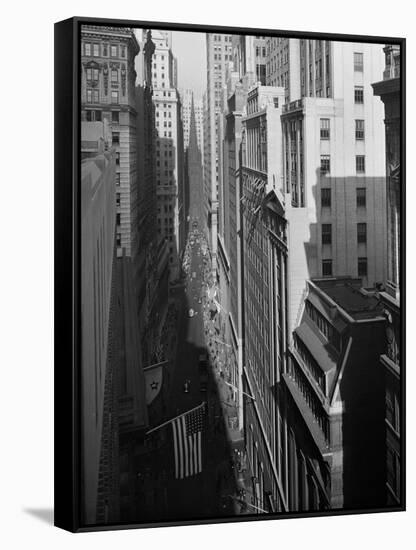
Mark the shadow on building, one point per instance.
(334, 388)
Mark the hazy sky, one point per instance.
(189, 49)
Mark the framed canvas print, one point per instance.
(229, 304)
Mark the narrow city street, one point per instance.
(212, 492)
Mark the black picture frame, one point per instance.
(68, 272)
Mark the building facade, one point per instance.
(333, 174)
(264, 236)
(230, 242)
(194, 166)
(98, 225)
(332, 385)
(108, 93)
(171, 216)
(219, 54)
(389, 91)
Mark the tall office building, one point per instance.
(249, 54)
(265, 290)
(248, 67)
(194, 164)
(219, 54)
(333, 173)
(98, 222)
(282, 66)
(389, 91)
(108, 93)
(171, 216)
(152, 286)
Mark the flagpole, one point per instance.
(172, 419)
(161, 363)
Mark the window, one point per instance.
(118, 179)
(361, 232)
(87, 48)
(105, 50)
(117, 159)
(114, 96)
(393, 471)
(325, 128)
(326, 233)
(92, 74)
(117, 199)
(325, 164)
(327, 268)
(123, 51)
(113, 51)
(115, 116)
(359, 129)
(362, 267)
(392, 410)
(93, 115)
(114, 75)
(92, 96)
(326, 197)
(116, 138)
(96, 50)
(358, 62)
(359, 94)
(361, 197)
(118, 218)
(118, 239)
(360, 164)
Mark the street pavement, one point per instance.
(212, 493)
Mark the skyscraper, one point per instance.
(194, 164)
(333, 175)
(107, 93)
(219, 54)
(169, 152)
(388, 90)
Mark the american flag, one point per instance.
(187, 442)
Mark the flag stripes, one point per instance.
(187, 443)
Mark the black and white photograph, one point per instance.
(240, 274)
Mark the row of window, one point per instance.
(314, 404)
(93, 96)
(327, 233)
(325, 129)
(92, 49)
(165, 124)
(326, 197)
(362, 267)
(169, 114)
(219, 37)
(326, 164)
(323, 325)
(312, 366)
(227, 57)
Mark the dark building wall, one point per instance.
(363, 431)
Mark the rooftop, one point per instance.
(347, 293)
